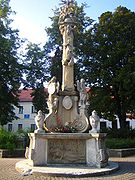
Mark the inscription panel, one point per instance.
(66, 151)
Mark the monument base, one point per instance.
(86, 149)
(25, 168)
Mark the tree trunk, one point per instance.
(122, 120)
(121, 112)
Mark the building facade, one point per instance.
(25, 113)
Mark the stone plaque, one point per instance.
(65, 151)
(67, 102)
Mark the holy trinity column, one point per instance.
(67, 25)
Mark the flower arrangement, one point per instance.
(67, 128)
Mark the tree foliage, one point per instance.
(10, 69)
(36, 71)
(113, 64)
(40, 95)
(56, 65)
(36, 67)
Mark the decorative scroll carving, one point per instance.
(81, 123)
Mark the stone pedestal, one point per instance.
(96, 154)
(68, 149)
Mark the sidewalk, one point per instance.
(126, 172)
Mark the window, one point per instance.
(33, 127)
(33, 109)
(20, 126)
(26, 116)
(103, 125)
(20, 109)
(10, 126)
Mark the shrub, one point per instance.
(120, 133)
(118, 143)
(8, 140)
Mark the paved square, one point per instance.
(126, 172)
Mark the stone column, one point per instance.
(66, 26)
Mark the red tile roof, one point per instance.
(25, 95)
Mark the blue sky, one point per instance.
(33, 15)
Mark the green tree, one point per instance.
(40, 95)
(56, 65)
(10, 68)
(36, 75)
(112, 68)
(36, 67)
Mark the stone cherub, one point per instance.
(94, 122)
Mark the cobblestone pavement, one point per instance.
(126, 172)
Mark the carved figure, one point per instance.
(83, 94)
(39, 120)
(94, 122)
(67, 10)
(69, 56)
(103, 156)
(67, 25)
(53, 88)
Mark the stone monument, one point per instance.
(67, 141)
(66, 101)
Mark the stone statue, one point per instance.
(51, 119)
(67, 10)
(94, 122)
(53, 89)
(81, 122)
(39, 120)
(83, 94)
(103, 155)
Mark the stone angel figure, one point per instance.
(53, 89)
(82, 89)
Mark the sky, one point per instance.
(32, 16)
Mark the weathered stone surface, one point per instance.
(66, 151)
(72, 148)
